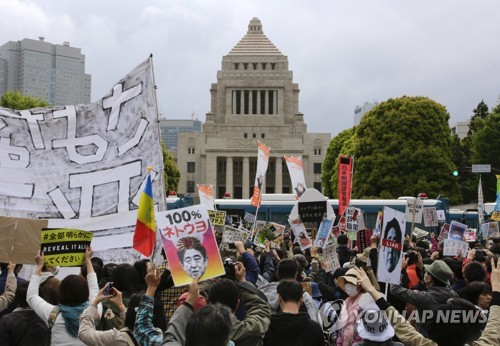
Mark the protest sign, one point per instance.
(65, 247)
(470, 235)
(323, 233)
(457, 230)
(420, 233)
(330, 259)
(353, 219)
(231, 234)
(414, 208)
(441, 215)
(430, 217)
(217, 217)
(378, 224)
(490, 230)
(363, 239)
(189, 244)
(443, 234)
(452, 247)
(300, 232)
(250, 218)
(20, 239)
(270, 231)
(391, 254)
(206, 194)
(335, 231)
(260, 174)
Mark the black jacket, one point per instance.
(23, 327)
(344, 254)
(293, 330)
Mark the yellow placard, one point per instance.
(65, 247)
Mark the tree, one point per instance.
(486, 150)
(16, 100)
(171, 173)
(403, 147)
(330, 163)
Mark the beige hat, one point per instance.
(351, 277)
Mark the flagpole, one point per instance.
(161, 206)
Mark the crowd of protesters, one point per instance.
(274, 294)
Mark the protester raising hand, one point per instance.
(495, 275)
(10, 288)
(153, 278)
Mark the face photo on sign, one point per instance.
(193, 256)
(457, 230)
(391, 243)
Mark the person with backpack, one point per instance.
(74, 293)
(144, 320)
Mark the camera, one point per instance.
(229, 264)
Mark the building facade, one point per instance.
(53, 72)
(359, 111)
(461, 129)
(254, 99)
(170, 129)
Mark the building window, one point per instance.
(236, 66)
(254, 65)
(238, 101)
(262, 135)
(254, 135)
(190, 151)
(190, 186)
(245, 66)
(270, 102)
(317, 168)
(262, 102)
(317, 151)
(246, 98)
(190, 167)
(273, 66)
(254, 101)
(264, 65)
(245, 135)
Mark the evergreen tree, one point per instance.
(16, 100)
(403, 147)
(171, 172)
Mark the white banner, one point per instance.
(84, 166)
(391, 246)
(296, 171)
(206, 194)
(453, 247)
(260, 175)
(430, 217)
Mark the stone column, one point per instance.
(245, 182)
(279, 176)
(229, 175)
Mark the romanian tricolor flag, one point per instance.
(145, 228)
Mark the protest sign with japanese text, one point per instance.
(65, 247)
(300, 233)
(457, 230)
(217, 217)
(453, 247)
(430, 217)
(206, 194)
(189, 244)
(330, 259)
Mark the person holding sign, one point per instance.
(74, 295)
(193, 256)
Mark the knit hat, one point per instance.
(373, 324)
(439, 270)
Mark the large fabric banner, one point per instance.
(296, 170)
(344, 183)
(84, 166)
(391, 247)
(260, 175)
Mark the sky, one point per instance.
(342, 53)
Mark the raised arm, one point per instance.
(10, 288)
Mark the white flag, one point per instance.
(296, 171)
(260, 175)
